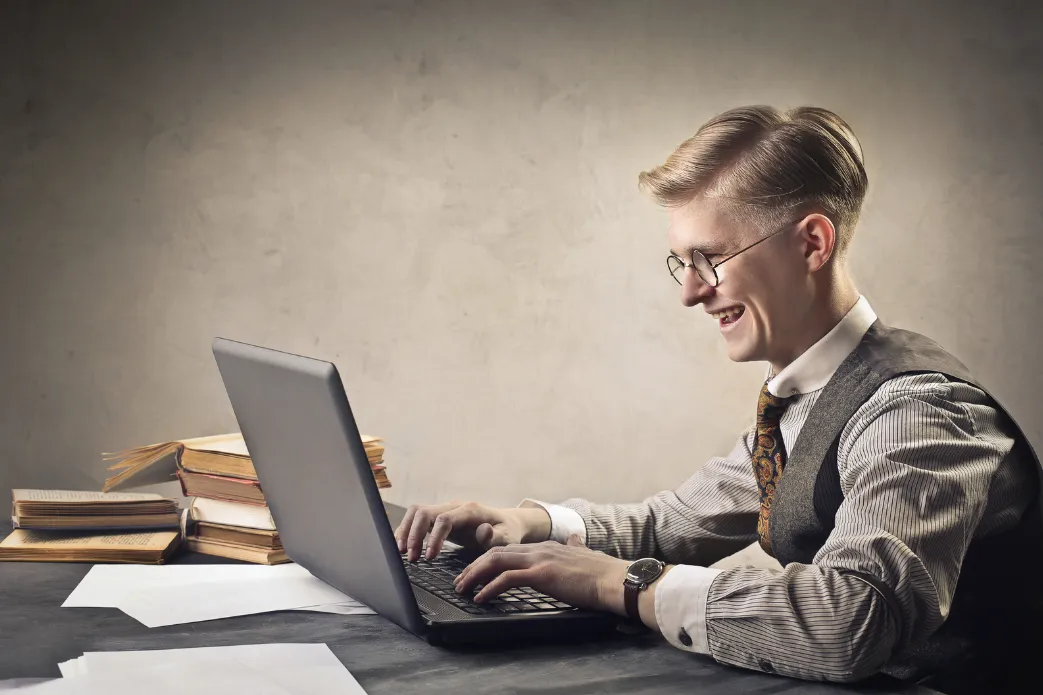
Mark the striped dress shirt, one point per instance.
(926, 465)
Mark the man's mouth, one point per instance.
(729, 316)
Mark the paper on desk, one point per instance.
(36, 686)
(346, 608)
(213, 600)
(159, 597)
(291, 669)
(204, 678)
(103, 585)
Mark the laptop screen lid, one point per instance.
(312, 466)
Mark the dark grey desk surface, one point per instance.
(36, 634)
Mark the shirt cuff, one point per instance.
(680, 606)
(563, 521)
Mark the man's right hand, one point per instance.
(468, 524)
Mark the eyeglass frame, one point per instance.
(713, 266)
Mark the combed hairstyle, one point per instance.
(766, 166)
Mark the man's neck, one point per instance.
(821, 318)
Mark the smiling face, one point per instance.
(765, 294)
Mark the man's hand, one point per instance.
(571, 573)
(471, 525)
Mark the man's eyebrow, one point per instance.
(706, 251)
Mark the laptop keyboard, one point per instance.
(436, 577)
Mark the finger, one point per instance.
(490, 535)
(574, 539)
(460, 517)
(490, 565)
(508, 580)
(483, 535)
(403, 527)
(440, 530)
(422, 521)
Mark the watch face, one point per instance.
(645, 570)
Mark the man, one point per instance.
(900, 498)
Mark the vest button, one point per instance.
(684, 638)
(766, 666)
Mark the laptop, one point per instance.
(298, 426)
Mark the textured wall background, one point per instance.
(441, 198)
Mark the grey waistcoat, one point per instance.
(993, 621)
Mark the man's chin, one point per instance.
(740, 352)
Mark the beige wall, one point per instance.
(441, 198)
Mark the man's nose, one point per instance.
(694, 291)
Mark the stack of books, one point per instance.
(228, 515)
(234, 530)
(78, 526)
(77, 510)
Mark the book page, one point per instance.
(80, 496)
(220, 443)
(234, 443)
(158, 467)
(152, 540)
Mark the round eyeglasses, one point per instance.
(706, 270)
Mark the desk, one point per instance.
(36, 634)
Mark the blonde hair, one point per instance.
(767, 165)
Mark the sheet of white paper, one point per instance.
(104, 585)
(273, 655)
(36, 686)
(108, 586)
(213, 600)
(347, 608)
(299, 669)
(206, 677)
(71, 667)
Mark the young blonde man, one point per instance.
(900, 498)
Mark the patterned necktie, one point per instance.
(769, 458)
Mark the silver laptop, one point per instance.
(302, 437)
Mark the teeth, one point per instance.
(730, 312)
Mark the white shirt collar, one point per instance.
(815, 366)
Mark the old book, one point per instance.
(223, 455)
(221, 488)
(233, 534)
(88, 510)
(231, 514)
(144, 547)
(236, 551)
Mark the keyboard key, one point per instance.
(560, 604)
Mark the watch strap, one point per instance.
(631, 592)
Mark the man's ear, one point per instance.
(819, 237)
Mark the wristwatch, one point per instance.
(640, 574)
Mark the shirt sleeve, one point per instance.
(916, 465)
(563, 521)
(712, 515)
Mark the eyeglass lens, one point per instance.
(701, 265)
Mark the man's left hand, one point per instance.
(572, 573)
